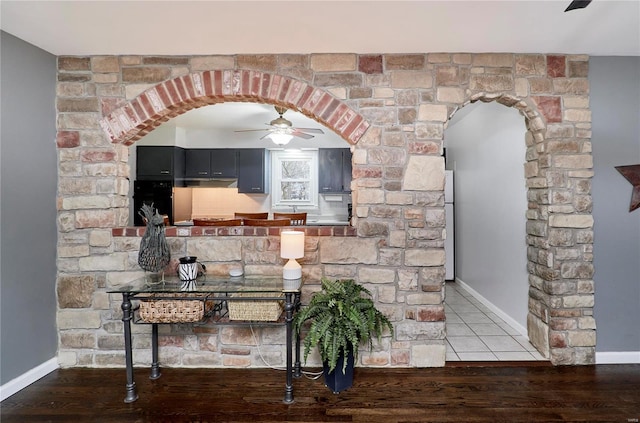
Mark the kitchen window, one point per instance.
(294, 180)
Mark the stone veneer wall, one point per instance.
(394, 110)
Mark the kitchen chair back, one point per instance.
(264, 215)
(267, 222)
(297, 219)
(217, 222)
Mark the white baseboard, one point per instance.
(508, 319)
(27, 378)
(622, 357)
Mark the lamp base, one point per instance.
(291, 285)
(292, 270)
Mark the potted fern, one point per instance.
(342, 316)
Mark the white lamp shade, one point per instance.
(292, 247)
(291, 244)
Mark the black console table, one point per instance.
(216, 293)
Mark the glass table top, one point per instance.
(153, 283)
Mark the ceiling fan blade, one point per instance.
(577, 4)
(280, 125)
(300, 134)
(312, 130)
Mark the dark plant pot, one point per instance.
(336, 380)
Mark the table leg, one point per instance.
(155, 364)
(297, 367)
(288, 309)
(127, 315)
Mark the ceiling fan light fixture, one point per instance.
(281, 123)
(280, 138)
(281, 130)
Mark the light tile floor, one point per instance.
(475, 333)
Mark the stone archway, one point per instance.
(395, 108)
(485, 145)
(175, 96)
(550, 310)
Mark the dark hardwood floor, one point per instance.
(517, 392)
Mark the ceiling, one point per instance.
(215, 126)
(604, 28)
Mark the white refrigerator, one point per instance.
(449, 267)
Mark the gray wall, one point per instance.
(615, 106)
(28, 175)
(486, 149)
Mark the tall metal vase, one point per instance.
(154, 254)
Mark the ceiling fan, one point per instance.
(578, 4)
(281, 130)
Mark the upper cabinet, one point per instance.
(211, 163)
(253, 171)
(250, 166)
(224, 163)
(198, 163)
(161, 163)
(334, 170)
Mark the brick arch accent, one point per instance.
(176, 96)
(533, 119)
(552, 304)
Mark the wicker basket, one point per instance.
(261, 311)
(169, 310)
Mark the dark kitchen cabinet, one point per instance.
(159, 163)
(334, 170)
(197, 163)
(224, 163)
(211, 163)
(346, 170)
(253, 171)
(158, 194)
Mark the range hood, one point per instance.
(211, 183)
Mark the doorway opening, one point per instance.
(486, 293)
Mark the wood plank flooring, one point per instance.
(514, 392)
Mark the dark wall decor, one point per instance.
(632, 174)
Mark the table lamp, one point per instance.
(292, 247)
